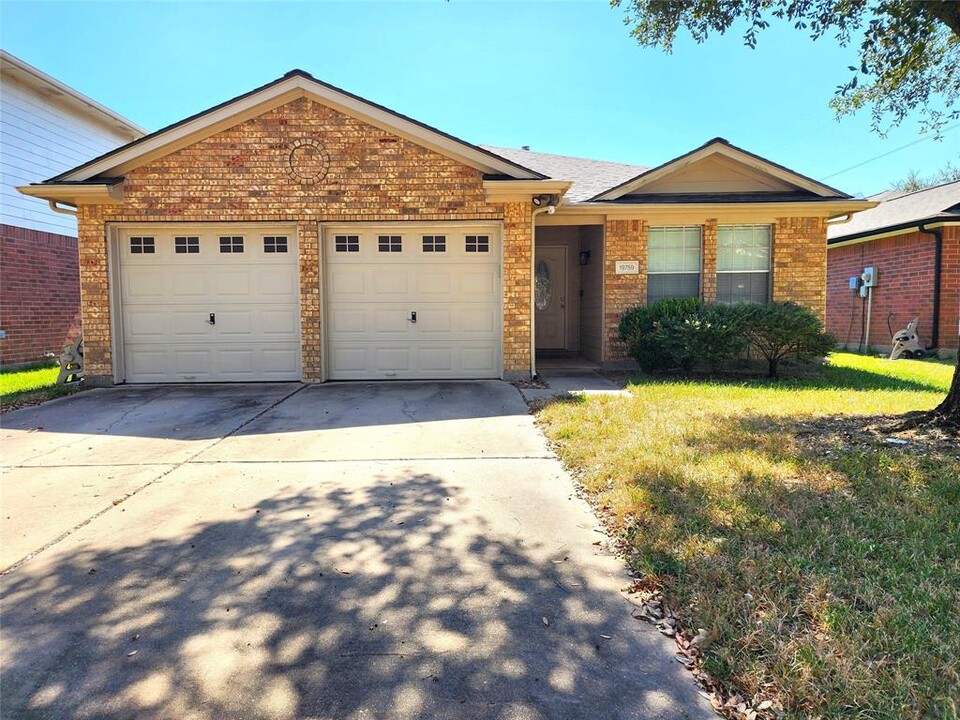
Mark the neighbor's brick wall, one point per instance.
(905, 273)
(799, 269)
(39, 293)
(239, 175)
(800, 262)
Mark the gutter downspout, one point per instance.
(62, 210)
(549, 209)
(937, 272)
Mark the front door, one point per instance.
(550, 287)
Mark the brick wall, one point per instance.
(242, 175)
(905, 273)
(39, 293)
(800, 262)
(623, 240)
(799, 269)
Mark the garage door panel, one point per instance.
(370, 295)
(167, 298)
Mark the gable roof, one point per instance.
(294, 84)
(901, 211)
(589, 177)
(719, 146)
(27, 74)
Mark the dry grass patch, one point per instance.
(824, 562)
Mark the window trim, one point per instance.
(769, 269)
(698, 272)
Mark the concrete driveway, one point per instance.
(402, 550)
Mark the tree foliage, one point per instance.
(909, 50)
(915, 181)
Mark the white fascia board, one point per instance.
(719, 149)
(279, 94)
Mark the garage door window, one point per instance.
(275, 244)
(434, 243)
(390, 243)
(183, 245)
(346, 243)
(231, 244)
(478, 243)
(142, 246)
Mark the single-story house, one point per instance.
(300, 232)
(46, 127)
(911, 240)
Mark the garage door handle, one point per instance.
(413, 317)
(213, 319)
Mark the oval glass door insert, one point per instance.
(542, 287)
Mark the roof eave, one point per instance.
(719, 145)
(879, 233)
(106, 193)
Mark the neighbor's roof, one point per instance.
(899, 210)
(27, 74)
(589, 177)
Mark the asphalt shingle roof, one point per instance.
(898, 209)
(589, 177)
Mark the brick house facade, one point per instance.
(372, 174)
(889, 239)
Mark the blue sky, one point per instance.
(562, 77)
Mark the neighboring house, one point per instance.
(45, 128)
(913, 242)
(301, 232)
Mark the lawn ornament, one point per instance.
(71, 363)
(906, 342)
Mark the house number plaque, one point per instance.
(628, 267)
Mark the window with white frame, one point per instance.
(743, 263)
(673, 262)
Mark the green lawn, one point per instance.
(823, 562)
(37, 381)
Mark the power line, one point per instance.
(889, 152)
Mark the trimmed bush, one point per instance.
(682, 334)
(686, 334)
(780, 330)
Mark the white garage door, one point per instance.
(209, 304)
(413, 302)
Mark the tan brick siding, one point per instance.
(799, 269)
(624, 240)
(241, 175)
(800, 262)
(708, 280)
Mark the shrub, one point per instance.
(682, 334)
(648, 342)
(779, 330)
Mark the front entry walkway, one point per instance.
(403, 550)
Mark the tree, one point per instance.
(909, 49)
(915, 181)
(909, 60)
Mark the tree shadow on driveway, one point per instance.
(388, 599)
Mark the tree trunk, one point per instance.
(947, 413)
(945, 416)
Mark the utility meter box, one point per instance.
(869, 277)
